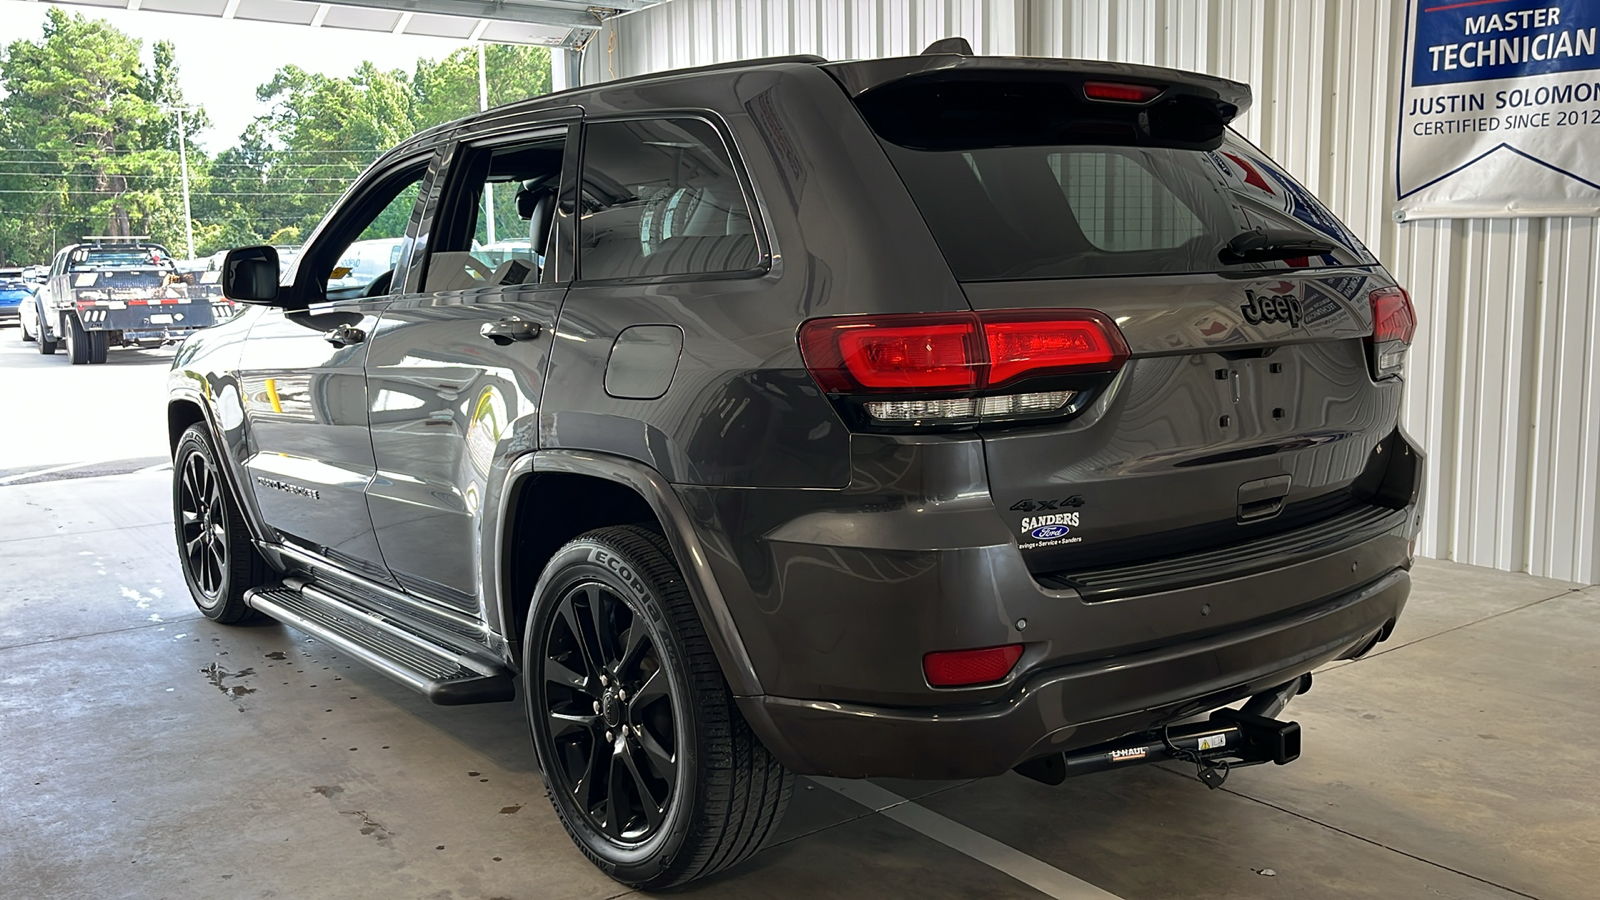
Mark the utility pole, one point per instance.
(183, 166)
(483, 104)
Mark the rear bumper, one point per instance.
(1077, 705)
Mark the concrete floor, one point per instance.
(146, 752)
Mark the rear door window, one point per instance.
(661, 198)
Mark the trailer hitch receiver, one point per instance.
(1230, 738)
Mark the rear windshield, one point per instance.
(1014, 188)
(84, 260)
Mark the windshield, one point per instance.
(1007, 199)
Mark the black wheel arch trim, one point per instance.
(243, 500)
(676, 526)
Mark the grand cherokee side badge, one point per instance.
(286, 487)
(1260, 308)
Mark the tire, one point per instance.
(723, 794)
(99, 346)
(22, 326)
(47, 345)
(214, 550)
(78, 350)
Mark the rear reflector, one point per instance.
(960, 668)
(1117, 92)
(1393, 318)
(957, 351)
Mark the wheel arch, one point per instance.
(612, 491)
(185, 410)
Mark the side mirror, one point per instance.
(250, 275)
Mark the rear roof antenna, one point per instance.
(952, 45)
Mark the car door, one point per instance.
(456, 364)
(302, 374)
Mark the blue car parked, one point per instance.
(13, 290)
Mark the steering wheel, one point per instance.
(379, 286)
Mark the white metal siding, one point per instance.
(1503, 391)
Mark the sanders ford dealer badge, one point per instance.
(1049, 530)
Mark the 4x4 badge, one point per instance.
(1072, 502)
(1260, 308)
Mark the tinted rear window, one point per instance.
(100, 259)
(1031, 183)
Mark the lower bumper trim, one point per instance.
(1074, 706)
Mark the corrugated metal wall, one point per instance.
(1503, 378)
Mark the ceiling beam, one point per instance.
(563, 15)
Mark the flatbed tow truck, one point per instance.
(120, 292)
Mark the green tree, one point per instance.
(84, 139)
(448, 89)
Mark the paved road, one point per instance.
(56, 414)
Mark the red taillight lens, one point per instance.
(1034, 345)
(960, 668)
(912, 357)
(957, 351)
(1393, 317)
(1117, 92)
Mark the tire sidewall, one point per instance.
(586, 560)
(193, 443)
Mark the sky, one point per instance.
(222, 61)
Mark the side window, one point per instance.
(1121, 205)
(498, 229)
(365, 264)
(660, 197)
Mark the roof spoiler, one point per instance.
(952, 57)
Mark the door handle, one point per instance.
(511, 328)
(344, 335)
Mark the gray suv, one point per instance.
(928, 417)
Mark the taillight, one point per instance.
(1023, 345)
(1118, 92)
(1394, 323)
(955, 368)
(963, 668)
(893, 353)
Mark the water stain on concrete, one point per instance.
(216, 674)
(369, 826)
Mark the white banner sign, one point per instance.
(1500, 111)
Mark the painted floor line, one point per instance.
(50, 471)
(1040, 876)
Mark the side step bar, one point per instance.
(447, 676)
(1230, 738)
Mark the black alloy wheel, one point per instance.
(647, 760)
(610, 713)
(219, 562)
(200, 527)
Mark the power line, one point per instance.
(207, 194)
(164, 176)
(98, 152)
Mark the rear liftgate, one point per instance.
(1229, 739)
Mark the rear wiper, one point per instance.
(1259, 245)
